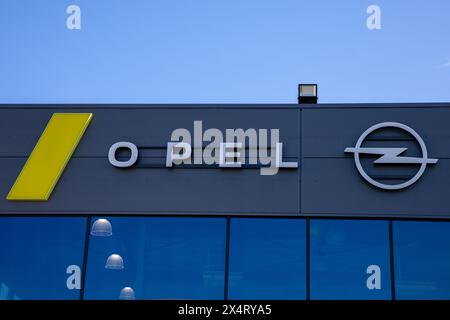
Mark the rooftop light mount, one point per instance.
(307, 93)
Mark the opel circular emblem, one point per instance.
(389, 155)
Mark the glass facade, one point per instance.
(222, 258)
(41, 258)
(350, 259)
(267, 259)
(422, 260)
(162, 258)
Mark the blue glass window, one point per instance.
(350, 259)
(157, 258)
(267, 259)
(41, 258)
(422, 260)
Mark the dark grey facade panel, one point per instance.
(326, 182)
(152, 127)
(334, 187)
(327, 132)
(90, 184)
(331, 184)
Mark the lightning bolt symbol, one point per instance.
(390, 155)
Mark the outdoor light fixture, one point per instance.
(114, 261)
(307, 93)
(127, 293)
(101, 228)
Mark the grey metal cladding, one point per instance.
(326, 131)
(331, 184)
(90, 184)
(21, 128)
(326, 183)
(334, 187)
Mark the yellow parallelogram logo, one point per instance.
(49, 157)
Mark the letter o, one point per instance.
(123, 164)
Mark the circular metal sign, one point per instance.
(391, 155)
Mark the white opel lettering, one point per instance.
(231, 153)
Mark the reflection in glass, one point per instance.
(127, 293)
(422, 259)
(267, 259)
(34, 256)
(166, 258)
(349, 259)
(114, 261)
(101, 228)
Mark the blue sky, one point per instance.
(223, 51)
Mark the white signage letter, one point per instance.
(279, 160)
(225, 154)
(178, 156)
(123, 164)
